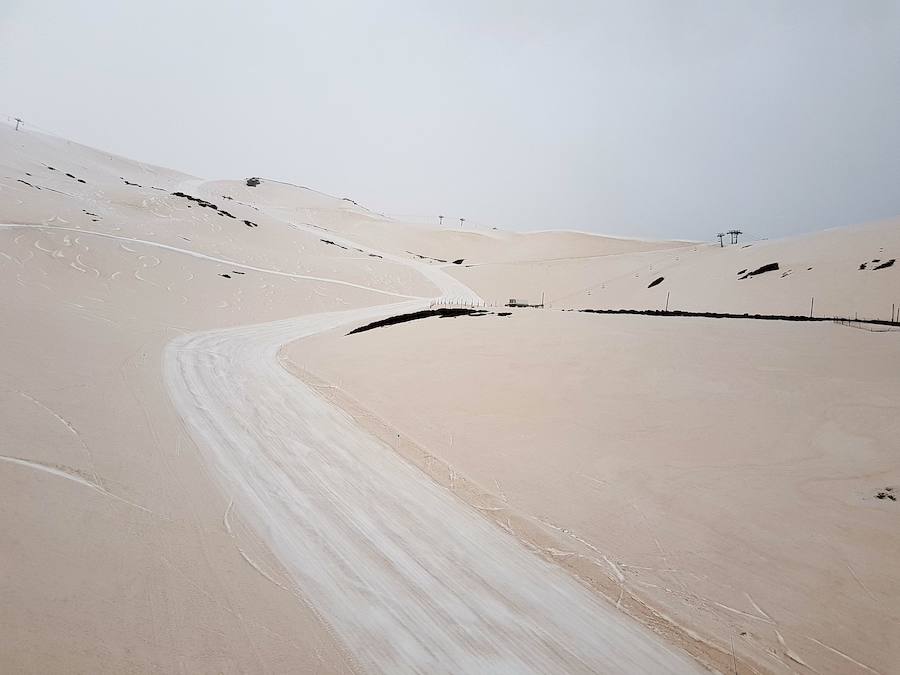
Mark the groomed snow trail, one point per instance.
(410, 579)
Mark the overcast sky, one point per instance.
(667, 119)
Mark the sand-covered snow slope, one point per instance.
(723, 474)
(846, 271)
(121, 550)
(176, 501)
(202, 473)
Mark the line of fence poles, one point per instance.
(891, 324)
(862, 324)
(461, 302)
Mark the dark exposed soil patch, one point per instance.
(227, 276)
(504, 313)
(68, 175)
(458, 261)
(196, 200)
(771, 267)
(252, 182)
(887, 493)
(250, 223)
(742, 271)
(426, 257)
(655, 282)
(347, 248)
(202, 202)
(883, 265)
(442, 312)
(128, 182)
(28, 184)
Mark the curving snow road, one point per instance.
(411, 579)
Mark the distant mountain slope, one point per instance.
(846, 270)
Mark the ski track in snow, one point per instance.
(409, 578)
(203, 256)
(75, 478)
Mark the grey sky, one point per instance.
(663, 118)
